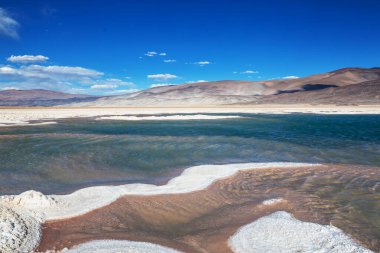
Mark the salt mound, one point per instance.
(113, 246)
(19, 232)
(280, 232)
(30, 199)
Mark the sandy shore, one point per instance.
(24, 116)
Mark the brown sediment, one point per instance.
(345, 196)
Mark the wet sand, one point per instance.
(202, 221)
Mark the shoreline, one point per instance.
(32, 206)
(12, 116)
(197, 221)
(194, 181)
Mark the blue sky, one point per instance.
(113, 47)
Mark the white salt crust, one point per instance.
(119, 246)
(33, 207)
(19, 231)
(272, 201)
(280, 232)
(26, 116)
(195, 178)
(170, 117)
(51, 207)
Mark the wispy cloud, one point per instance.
(8, 26)
(120, 92)
(150, 53)
(9, 88)
(27, 58)
(104, 86)
(154, 53)
(61, 70)
(249, 72)
(159, 84)
(109, 83)
(198, 81)
(290, 77)
(65, 78)
(162, 76)
(170, 60)
(202, 63)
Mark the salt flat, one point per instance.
(25, 116)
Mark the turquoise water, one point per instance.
(79, 152)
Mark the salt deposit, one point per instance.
(280, 232)
(10, 116)
(87, 199)
(169, 117)
(116, 246)
(272, 201)
(19, 231)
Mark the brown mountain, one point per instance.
(354, 94)
(39, 97)
(341, 86)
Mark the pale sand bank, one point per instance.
(280, 232)
(17, 116)
(169, 117)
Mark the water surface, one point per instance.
(79, 152)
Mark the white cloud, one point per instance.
(27, 58)
(109, 83)
(290, 77)
(198, 81)
(64, 78)
(249, 72)
(169, 60)
(162, 76)
(104, 86)
(151, 53)
(7, 70)
(118, 92)
(235, 72)
(9, 88)
(63, 70)
(202, 63)
(159, 84)
(8, 26)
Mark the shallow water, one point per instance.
(79, 152)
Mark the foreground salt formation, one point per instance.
(123, 246)
(195, 178)
(30, 209)
(280, 232)
(19, 231)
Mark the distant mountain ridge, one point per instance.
(40, 97)
(256, 92)
(342, 86)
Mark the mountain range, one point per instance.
(348, 86)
